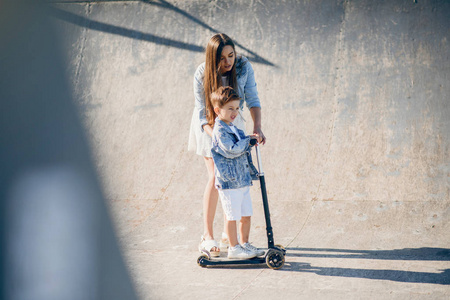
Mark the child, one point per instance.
(233, 179)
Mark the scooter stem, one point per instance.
(265, 200)
(258, 156)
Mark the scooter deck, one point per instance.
(223, 261)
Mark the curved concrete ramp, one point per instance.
(355, 98)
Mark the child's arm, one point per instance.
(224, 144)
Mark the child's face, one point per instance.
(228, 112)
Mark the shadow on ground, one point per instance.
(435, 254)
(392, 275)
(407, 254)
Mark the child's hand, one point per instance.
(253, 139)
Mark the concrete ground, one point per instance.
(355, 98)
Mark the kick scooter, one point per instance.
(274, 257)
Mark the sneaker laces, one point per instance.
(250, 247)
(247, 251)
(238, 247)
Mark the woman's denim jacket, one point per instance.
(232, 159)
(246, 87)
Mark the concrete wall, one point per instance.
(355, 98)
(354, 93)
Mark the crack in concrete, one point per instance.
(333, 120)
(164, 189)
(337, 92)
(313, 201)
(88, 11)
(246, 287)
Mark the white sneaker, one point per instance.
(252, 248)
(225, 243)
(239, 252)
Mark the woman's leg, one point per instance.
(210, 198)
(244, 228)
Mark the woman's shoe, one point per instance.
(209, 245)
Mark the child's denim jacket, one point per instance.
(232, 158)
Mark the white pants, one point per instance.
(236, 203)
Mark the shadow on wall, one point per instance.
(148, 37)
(56, 237)
(408, 254)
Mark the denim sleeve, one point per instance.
(199, 94)
(225, 145)
(250, 90)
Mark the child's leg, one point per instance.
(245, 223)
(247, 212)
(232, 233)
(244, 229)
(232, 208)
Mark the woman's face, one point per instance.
(227, 59)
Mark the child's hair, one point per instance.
(222, 96)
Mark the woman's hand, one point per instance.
(256, 116)
(208, 129)
(257, 132)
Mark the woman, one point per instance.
(221, 68)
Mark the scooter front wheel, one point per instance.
(275, 259)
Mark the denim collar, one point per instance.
(227, 128)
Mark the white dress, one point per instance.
(200, 142)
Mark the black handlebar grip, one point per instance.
(253, 142)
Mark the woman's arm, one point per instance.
(256, 116)
(208, 129)
(253, 103)
(199, 95)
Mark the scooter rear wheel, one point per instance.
(280, 246)
(275, 259)
(200, 260)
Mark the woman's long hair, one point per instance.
(213, 80)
